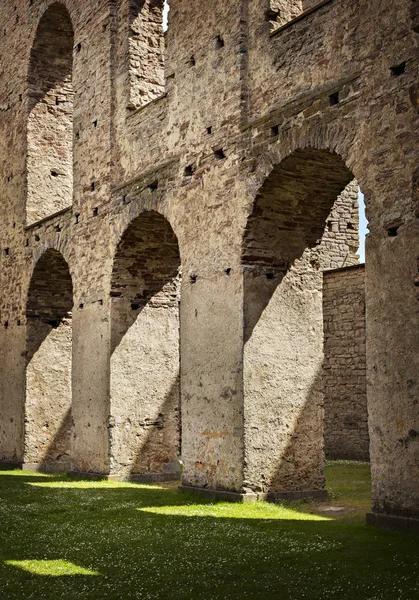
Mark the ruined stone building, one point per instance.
(169, 203)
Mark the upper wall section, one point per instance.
(146, 52)
(50, 119)
(139, 52)
(205, 52)
(281, 12)
(323, 47)
(225, 69)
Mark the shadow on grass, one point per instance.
(63, 538)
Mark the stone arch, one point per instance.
(287, 244)
(48, 364)
(50, 115)
(145, 295)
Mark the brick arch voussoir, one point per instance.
(49, 244)
(335, 138)
(321, 138)
(124, 221)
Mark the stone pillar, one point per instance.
(392, 316)
(91, 343)
(211, 382)
(12, 393)
(283, 399)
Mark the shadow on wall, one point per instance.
(155, 455)
(146, 272)
(298, 467)
(283, 393)
(288, 227)
(145, 291)
(304, 220)
(57, 454)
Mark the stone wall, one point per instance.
(144, 394)
(253, 126)
(48, 372)
(283, 11)
(344, 368)
(283, 261)
(50, 122)
(146, 52)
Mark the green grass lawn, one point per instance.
(62, 538)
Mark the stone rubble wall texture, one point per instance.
(344, 367)
(50, 122)
(145, 294)
(284, 11)
(146, 52)
(48, 371)
(246, 143)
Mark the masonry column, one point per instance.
(12, 393)
(93, 106)
(90, 388)
(392, 316)
(211, 381)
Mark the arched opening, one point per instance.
(50, 120)
(148, 21)
(48, 364)
(145, 292)
(304, 222)
(346, 435)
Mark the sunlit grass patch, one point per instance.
(102, 484)
(151, 542)
(50, 568)
(227, 510)
(20, 473)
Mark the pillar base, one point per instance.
(219, 494)
(135, 477)
(88, 475)
(46, 467)
(146, 477)
(249, 497)
(384, 521)
(297, 495)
